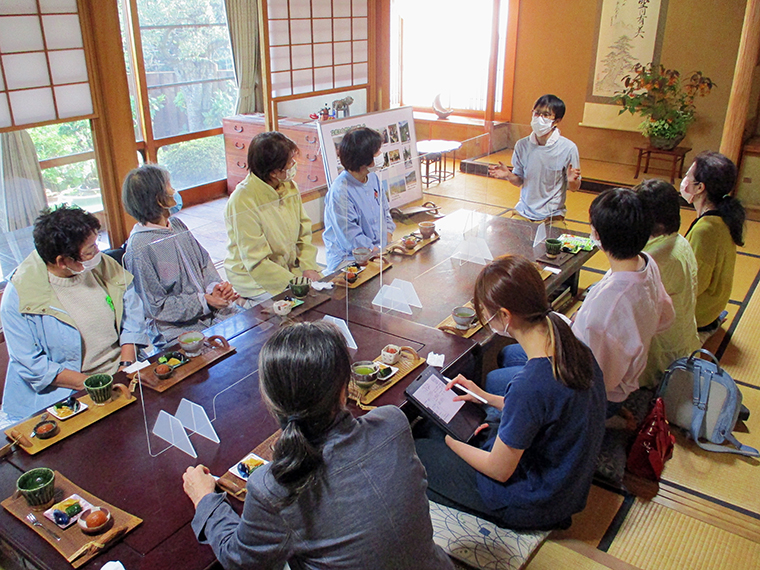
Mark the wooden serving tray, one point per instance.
(371, 270)
(398, 246)
(313, 299)
(215, 348)
(405, 365)
(75, 546)
(448, 325)
(234, 486)
(22, 431)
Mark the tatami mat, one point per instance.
(654, 537)
(741, 355)
(727, 477)
(555, 556)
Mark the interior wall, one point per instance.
(556, 46)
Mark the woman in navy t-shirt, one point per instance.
(535, 468)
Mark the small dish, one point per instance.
(247, 465)
(176, 355)
(353, 269)
(46, 429)
(59, 410)
(98, 524)
(65, 513)
(382, 375)
(282, 308)
(163, 371)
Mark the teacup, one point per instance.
(390, 354)
(361, 255)
(364, 374)
(37, 487)
(300, 286)
(427, 229)
(282, 307)
(553, 247)
(464, 317)
(99, 387)
(191, 342)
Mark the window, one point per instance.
(182, 84)
(426, 63)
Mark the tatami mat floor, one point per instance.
(707, 514)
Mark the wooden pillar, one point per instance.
(738, 102)
(112, 130)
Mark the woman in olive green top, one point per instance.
(714, 235)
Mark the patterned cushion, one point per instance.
(480, 543)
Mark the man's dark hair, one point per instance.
(622, 222)
(553, 103)
(358, 148)
(143, 189)
(268, 153)
(661, 199)
(63, 231)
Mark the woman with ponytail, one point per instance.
(714, 235)
(340, 492)
(534, 470)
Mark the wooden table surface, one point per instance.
(118, 461)
(112, 460)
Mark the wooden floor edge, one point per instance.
(595, 554)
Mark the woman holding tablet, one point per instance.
(534, 470)
(340, 492)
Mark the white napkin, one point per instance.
(436, 360)
(134, 367)
(321, 285)
(113, 565)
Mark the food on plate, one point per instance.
(384, 371)
(249, 465)
(70, 506)
(96, 519)
(163, 369)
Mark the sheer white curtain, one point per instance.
(243, 23)
(22, 193)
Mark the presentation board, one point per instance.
(401, 175)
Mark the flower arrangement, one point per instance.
(665, 99)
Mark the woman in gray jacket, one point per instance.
(340, 492)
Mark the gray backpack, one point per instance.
(703, 399)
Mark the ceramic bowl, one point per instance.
(390, 354)
(37, 487)
(427, 229)
(191, 342)
(364, 374)
(553, 247)
(410, 241)
(99, 387)
(300, 286)
(82, 521)
(464, 317)
(46, 429)
(282, 308)
(361, 255)
(163, 375)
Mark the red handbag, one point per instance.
(653, 445)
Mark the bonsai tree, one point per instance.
(665, 100)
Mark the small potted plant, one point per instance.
(665, 99)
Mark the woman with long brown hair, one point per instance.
(534, 470)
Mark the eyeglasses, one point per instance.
(544, 114)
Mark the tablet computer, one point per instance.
(458, 419)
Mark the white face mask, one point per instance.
(504, 332)
(290, 173)
(88, 265)
(541, 125)
(379, 163)
(684, 194)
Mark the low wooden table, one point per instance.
(675, 157)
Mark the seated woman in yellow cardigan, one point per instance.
(714, 235)
(268, 228)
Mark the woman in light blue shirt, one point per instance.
(357, 212)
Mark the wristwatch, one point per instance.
(125, 363)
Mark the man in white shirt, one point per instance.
(545, 164)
